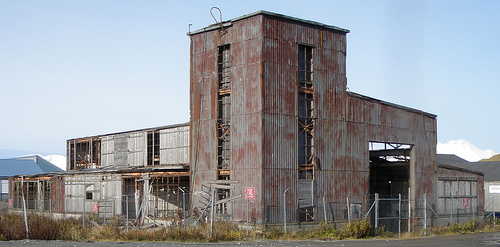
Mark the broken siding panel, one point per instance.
(121, 150)
(107, 151)
(174, 146)
(307, 193)
(104, 187)
(137, 149)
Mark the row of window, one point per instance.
(85, 154)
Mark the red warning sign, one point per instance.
(466, 202)
(250, 193)
(95, 207)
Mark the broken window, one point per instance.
(153, 148)
(222, 208)
(306, 113)
(84, 153)
(224, 113)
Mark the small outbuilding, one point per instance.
(27, 165)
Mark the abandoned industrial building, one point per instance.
(270, 110)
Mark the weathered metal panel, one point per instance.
(102, 186)
(245, 42)
(174, 146)
(137, 150)
(264, 90)
(107, 151)
(120, 150)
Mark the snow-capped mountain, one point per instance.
(56, 159)
(465, 150)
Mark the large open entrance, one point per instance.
(389, 177)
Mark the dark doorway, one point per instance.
(389, 177)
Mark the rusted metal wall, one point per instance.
(282, 38)
(264, 124)
(371, 120)
(245, 39)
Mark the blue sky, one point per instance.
(72, 69)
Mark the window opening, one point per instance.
(224, 113)
(85, 153)
(222, 208)
(153, 148)
(306, 113)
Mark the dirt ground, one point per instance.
(476, 239)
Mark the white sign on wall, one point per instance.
(494, 189)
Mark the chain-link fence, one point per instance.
(164, 208)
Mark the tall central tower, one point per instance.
(261, 87)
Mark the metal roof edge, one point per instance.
(131, 131)
(364, 97)
(268, 13)
(450, 167)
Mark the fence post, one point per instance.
(399, 215)
(83, 199)
(126, 208)
(65, 206)
(284, 210)
(24, 207)
(376, 213)
(493, 203)
(451, 210)
(324, 207)
(154, 211)
(472, 209)
(348, 210)
(105, 209)
(212, 213)
(183, 208)
(425, 213)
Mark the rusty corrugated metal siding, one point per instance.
(264, 122)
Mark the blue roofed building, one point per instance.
(27, 165)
